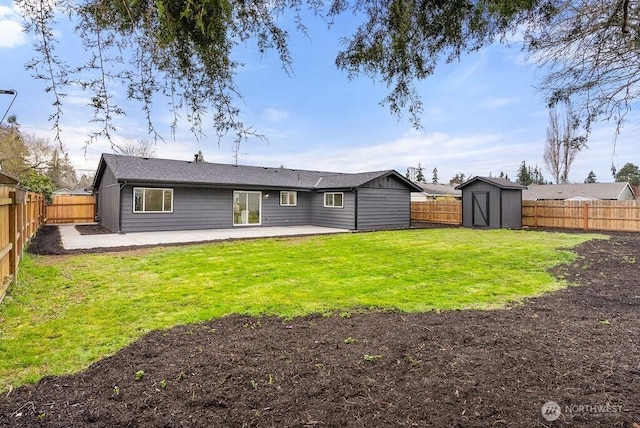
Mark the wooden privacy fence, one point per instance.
(623, 216)
(71, 209)
(444, 211)
(21, 215)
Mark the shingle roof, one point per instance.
(439, 189)
(605, 191)
(8, 179)
(150, 170)
(499, 182)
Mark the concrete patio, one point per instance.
(73, 240)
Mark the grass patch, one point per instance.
(68, 311)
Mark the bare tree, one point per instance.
(562, 144)
(140, 148)
(589, 52)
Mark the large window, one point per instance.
(246, 208)
(149, 200)
(335, 200)
(288, 199)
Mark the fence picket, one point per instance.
(21, 215)
(71, 209)
(623, 216)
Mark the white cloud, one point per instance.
(275, 115)
(10, 28)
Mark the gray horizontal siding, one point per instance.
(108, 207)
(275, 215)
(342, 218)
(384, 208)
(193, 208)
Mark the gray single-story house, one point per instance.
(618, 191)
(137, 194)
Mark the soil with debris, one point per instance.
(92, 229)
(578, 347)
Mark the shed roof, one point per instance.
(150, 170)
(604, 191)
(498, 182)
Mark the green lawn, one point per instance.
(69, 311)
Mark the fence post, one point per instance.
(586, 216)
(13, 259)
(535, 213)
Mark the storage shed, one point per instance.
(493, 203)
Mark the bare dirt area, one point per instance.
(578, 347)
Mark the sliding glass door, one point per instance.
(246, 208)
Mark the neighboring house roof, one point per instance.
(438, 189)
(72, 192)
(582, 191)
(8, 179)
(498, 182)
(149, 170)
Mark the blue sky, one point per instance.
(482, 115)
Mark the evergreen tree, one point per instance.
(35, 182)
(457, 179)
(524, 175)
(13, 151)
(629, 173)
(591, 178)
(434, 177)
(537, 176)
(420, 175)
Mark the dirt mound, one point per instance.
(577, 347)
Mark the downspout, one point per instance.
(122, 186)
(355, 222)
(501, 212)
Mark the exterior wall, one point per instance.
(493, 206)
(626, 195)
(205, 208)
(511, 209)
(343, 218)
(193, 208)
(275, 215)
(384, 208)
(108, 202)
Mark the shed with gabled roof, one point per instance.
(493, 203)
(137, 194)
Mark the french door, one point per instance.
(247, 208)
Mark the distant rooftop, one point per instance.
(581, 191)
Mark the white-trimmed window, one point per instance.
(288, 199)
(152, 200)
(334, 200)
